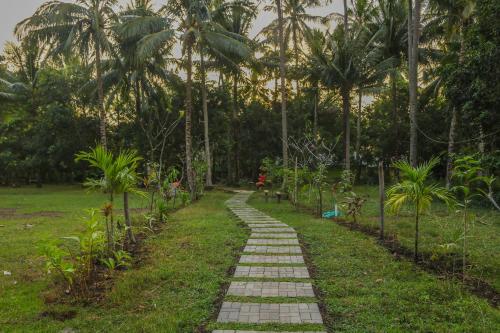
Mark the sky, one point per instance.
(14, 11)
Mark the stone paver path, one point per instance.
(274, 244)
(271, 272)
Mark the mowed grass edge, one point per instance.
(173, 289)
(365, 289)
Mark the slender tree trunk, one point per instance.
(451, 147)
(464, 253)
(316, 102)
(208, 156)
(112, 223)
(188, 124)
(346, 106)
(284, 126)
(481, 146)
(236, 145)
(346, 20)
(296, 54)
(394, 105)
(413, 68)
(128, 223)
(381, 190)
(100, 96)
(358, 124)
(415, 258)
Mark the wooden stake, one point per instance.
(381, 191)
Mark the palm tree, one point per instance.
(284, 125)
(236, 18)
(390, 25)
(413, 190)
(196, 27)
(349, 60)
(450, 17)
(134, 68)
(119, 175)
(296, 22)
(316, 43)
(413, 43)
(82, 27)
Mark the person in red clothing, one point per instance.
(261, 180)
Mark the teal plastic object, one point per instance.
(331, 214)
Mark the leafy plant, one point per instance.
(346, 181)
(119, 175)
(468, 172)
(354, 203)
(414, 191)
(120, 259)
(76, 265)
(56, 261)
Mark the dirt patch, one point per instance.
(13, 214)
(59, 315)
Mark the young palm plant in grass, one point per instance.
(467, 172)
(119, 175)
(415, 191)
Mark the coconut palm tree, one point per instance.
(350, 60)
(390, 25)
(414, 191)
(448, 18)
(196, 28)
(82, 27)
(135, 69)
(414, 13)
(281, 42)
(296, 23)
(235, 17)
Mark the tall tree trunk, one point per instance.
(394, 106)
(208, 156)
(451, 147)
(100, 96)
(128, 223)
(296, 54)
(188, 122)
(413, 69)
(346, 21)
(316, 103)
(346, 107)
(381, 193)
(358, 124)
(284, 126)
(481, 145)
(415, 258)
(234, 120)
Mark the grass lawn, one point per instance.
(172, 289)
(440, 227)
(365, 289)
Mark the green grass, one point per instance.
(441, 226)
(172, 289)
(365, 289)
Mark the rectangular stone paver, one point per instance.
(271, 272)
(271, 289)
(262, 259)
(273, 241)
(272, 249)
(238, 331)
(272, 235)
(266, 225)
(261, 313)
(273, 230)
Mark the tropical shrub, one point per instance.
(415, 192)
